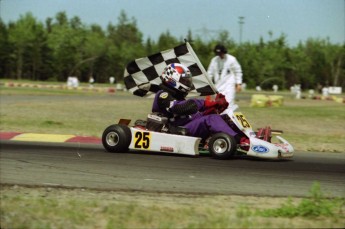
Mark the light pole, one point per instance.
(241, 22)
(0, 9)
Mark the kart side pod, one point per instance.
(162, 142)
(121, 138)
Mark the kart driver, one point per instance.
(198, 116)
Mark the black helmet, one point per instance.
(220, 49)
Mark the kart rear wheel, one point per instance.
(117, 138)
(222, 146)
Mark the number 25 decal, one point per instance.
(142, 140)
(240, 117)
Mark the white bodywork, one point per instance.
(178, 144)
(162, 142)
(258, 147)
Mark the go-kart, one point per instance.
(141, 77)
(121, 137)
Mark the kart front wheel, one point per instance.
(222, 146)
(116, 138)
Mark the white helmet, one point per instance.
(177, 76)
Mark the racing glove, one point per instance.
(216, 106)
(221, 102)
(210, 104)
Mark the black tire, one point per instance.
(117, 138)
(222, 146)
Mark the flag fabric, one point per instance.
(141, 76)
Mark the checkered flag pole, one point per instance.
(141, 76)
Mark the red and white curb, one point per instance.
(54, 138)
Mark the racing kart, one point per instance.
(143, 136)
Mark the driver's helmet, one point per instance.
(177, 76)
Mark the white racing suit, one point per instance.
(226, 73)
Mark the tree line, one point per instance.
(62, 47)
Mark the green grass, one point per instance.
(25, 207)
(314, 206)
(71, 112)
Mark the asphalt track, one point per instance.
(90, 166)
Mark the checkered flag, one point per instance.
(142, 75)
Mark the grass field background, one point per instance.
(309, 125)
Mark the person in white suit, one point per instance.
(226, 73)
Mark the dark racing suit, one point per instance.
(189, 114)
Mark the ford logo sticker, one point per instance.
(260, 149)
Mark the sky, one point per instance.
(298, 20)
